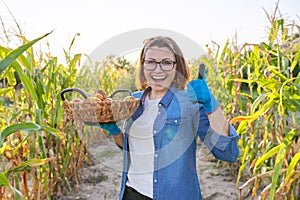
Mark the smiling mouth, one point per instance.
(159, 78)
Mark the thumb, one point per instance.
(202, 71)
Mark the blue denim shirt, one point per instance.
(175, 131)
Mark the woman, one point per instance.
(159, 140)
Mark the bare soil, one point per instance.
(101, 180)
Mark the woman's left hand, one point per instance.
(198, 91)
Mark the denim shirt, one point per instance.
(176, 128)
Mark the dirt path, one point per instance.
(101, 181)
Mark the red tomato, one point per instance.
(77, 100)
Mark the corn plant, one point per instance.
(262, 82)
(41, 153)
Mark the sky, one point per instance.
(98, 21)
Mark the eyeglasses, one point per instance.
(165, 64)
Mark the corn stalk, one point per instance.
(263, 82)
(41, 154)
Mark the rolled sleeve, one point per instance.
(223, 147)
(214, 139)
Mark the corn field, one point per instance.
(262, 84)
(42, 153)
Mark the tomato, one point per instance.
(77, 100)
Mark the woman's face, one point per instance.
(159, 80)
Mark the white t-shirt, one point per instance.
(141, 146)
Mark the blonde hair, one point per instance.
(182, 75)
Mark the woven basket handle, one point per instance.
(118, 91)
(71, 90)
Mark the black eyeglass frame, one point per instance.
(159, 63)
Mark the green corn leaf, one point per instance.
(73, 40)
(274, 70)
(74, 61)
(273, 32)
(28, 127)
(3, 180)
(19, 112)
(67, 159)
(24, 78)
(24, 62)
(267, 155)
(14, 54)
(292, 101)
(241, 80)
(257, 102)
(295, 61)
(18, 127)
(292, 165)
(3, 51)
(241, 169)
(256, 51)
(243, 165)
(10, 77)
(245, 95)
(41, 144)
(242, 128)
(27, 82)
(39, 88)
(269, 84)
(277, 169)
(54, 131)
(28, 165)
(17, 194)
(265, 46)
(223, 53)
(279, 160)
(292, 98)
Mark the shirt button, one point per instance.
(154, 131)
(159, 105)
(155, 155)
(155, 180)
(175, 121)
(159, 113)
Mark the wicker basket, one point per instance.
(90, 111)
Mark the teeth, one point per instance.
(158, 77)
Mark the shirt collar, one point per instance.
(167, 98)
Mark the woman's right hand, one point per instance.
(112, 128)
